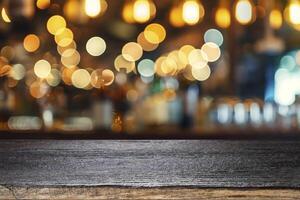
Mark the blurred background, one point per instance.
(149, 67)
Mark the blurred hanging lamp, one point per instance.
(92, 8)
(292, 13)
(244, 12)
(138, 11)
(192, 12)
(222, 15)
(275, 16)
(175, 15)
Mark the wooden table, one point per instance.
(164, 169)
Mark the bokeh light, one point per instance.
(201, 74)
(223, 18)
(122, 64)
(212, 51)
(215, 36)
(147, 46)
(31, 43)
(96, 46)
(146, 68)
(43, 4)
(243, 12)
(81, 78)
(155, 33)
(56, 23)
(132, 51)
(42, 68)
(92, 8)
(17, 72)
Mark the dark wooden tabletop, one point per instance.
(151, 163)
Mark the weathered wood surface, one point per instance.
(152, 163)
(145, 193)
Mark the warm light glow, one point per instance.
(212, 51)
(197, 58)
(53, 79)
(243, 12)
(147, 46)
(81, 78)
(191, 12)
(56, 23)
(5, 16)
(38, 89)
(17, 72)
(155, 33)
(43, 4)
(294, 12)
(175, 16)
(92, 8)
(64, 37)
(132, 51)
(127, 12)
(122, 64)
(222, 18)
(70, 58)
(201, 74)
(31, 43)
(275, 19)
(96, 46)
(141, 11)
(42, 68)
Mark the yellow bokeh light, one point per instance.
(43, 4)
(222, 17)
(147, 46)
(5, 16)
(96, 46)
(127, 12)
(92, 8)
(81, 78)
(275, 19)
(201, 74)
(184, 52)
(175, 16)
(42, 68)
(64, 37)
(192, 11)
(122, 64)
(212, 51)
(197, 58)
(56, 23)
(132, 51)
(31, 43)
(169, 67)
(244, 11)
(141, 11)
(155, 33)
(70, 58)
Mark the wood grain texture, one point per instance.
(150, 163)
(145, 193)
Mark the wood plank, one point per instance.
(150, 163)
(145, 193)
